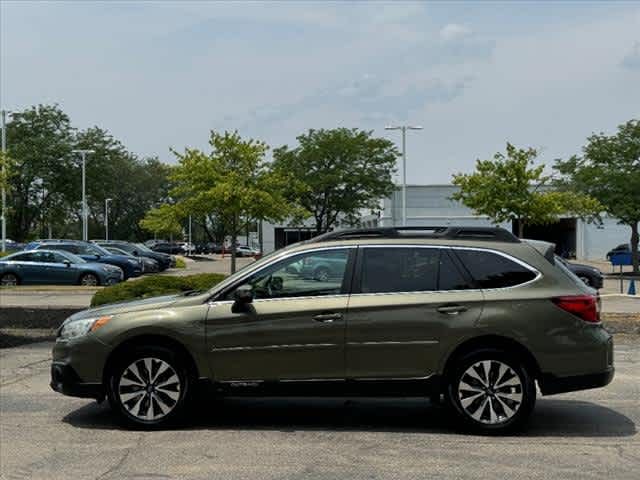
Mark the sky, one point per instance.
(160, 75)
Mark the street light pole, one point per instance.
(403, 129)
(3, 213)
(85, 224)
(106, 218)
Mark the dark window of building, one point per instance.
(490, 270)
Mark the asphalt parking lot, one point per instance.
(43, 435)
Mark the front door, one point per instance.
(293, 330)
(405, 301)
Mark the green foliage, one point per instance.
(337, 173)
(232, 184)
(163, 220)
(4, 254)
(609, 170)
(45, 179)
(6, 170)
(155, 285)
(509, 187)
(180, 262)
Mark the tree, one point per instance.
(232, 184)
(609, 170)
(509, 188)
(337, 173)
(39, 140)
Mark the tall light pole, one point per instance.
(85, 224)
(404, 129)
(106, 218)
(3, 212)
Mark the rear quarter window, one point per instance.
(492, 270)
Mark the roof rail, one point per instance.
(437, 232)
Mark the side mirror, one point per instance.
(67, 263)
(243, 296)
(135, 252)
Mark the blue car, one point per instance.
(132, 267)
(33, 267)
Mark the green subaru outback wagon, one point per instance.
(473, 317)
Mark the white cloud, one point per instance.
(453, 31)
(632, 59)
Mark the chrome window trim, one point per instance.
(402, 245)
(450, 247)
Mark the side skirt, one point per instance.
(426, 387)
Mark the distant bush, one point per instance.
(4, 254)
(180, 263)
(155, 285)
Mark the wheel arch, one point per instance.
(492, 342)
(150, 339)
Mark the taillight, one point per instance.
(587, 307)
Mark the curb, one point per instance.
(29, 318)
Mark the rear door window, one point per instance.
(406, 269)
(492, 270)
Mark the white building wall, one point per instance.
(429, 205)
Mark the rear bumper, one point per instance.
(550, 384)
(65, 380)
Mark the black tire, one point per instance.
(9, 279)
(152, 401)
(496, 410)
(89, 279)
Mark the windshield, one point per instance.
(71, 257)
(118, 251)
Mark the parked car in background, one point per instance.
(168, 248)
(55, 267)
(246, 251)
(148, 265)
(588, 274)
(471, 316)
(139, 250)
(622, 248)
(132, 267)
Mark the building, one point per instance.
(431, 205)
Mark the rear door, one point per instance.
(406, 303)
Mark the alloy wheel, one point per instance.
(9, 280)
(490, 392)
(89, 281)
(149, 389)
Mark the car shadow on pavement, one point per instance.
(555, 417)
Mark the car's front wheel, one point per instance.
(148, 387)
(9, 280)
(491, 391)
(89, 280)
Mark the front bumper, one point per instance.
(65, 380)
(550, 384)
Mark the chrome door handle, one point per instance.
(327, 317)
(452, 309)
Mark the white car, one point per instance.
(245, 251)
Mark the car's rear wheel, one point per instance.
(89, 280)
(9, 280)
(491, 391)
(149, 387)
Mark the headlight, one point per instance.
(111, 268)
(79, 328)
